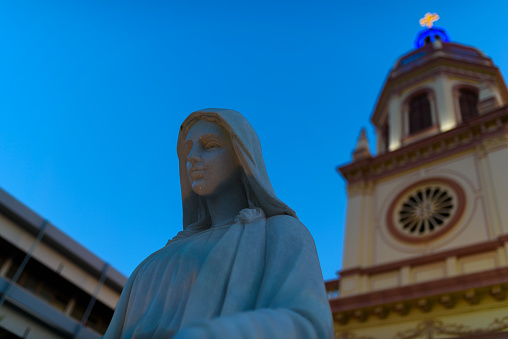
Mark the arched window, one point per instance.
(385, 135)
(419, 113)
(468, 101)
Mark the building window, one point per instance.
(385, 135)
(52, 288)
(468, 102)
(420, 116)
(426, 210)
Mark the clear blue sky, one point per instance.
(92, 94)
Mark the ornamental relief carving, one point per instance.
(350, 335)
(434, 329)
(492, 144)
(496, 142)
(430, 329)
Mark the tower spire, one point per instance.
(362, 150)
(430, 34)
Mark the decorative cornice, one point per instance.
(429, 329)
(431, 289)
(473, 133)
(499, 141)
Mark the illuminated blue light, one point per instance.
(431, 33)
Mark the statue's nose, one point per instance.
(193, 159)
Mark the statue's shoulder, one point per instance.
(287, 225)
(150, 258)
(284, 219)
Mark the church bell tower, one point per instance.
(426, 244)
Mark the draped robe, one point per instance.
(258, 278)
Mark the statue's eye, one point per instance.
(212, 145)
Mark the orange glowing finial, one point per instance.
(428, 19)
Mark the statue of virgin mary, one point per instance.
(244, 266)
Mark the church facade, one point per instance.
(426, 244)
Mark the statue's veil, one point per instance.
(248, 150)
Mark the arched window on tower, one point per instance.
(420, 116)
(468, 101)
(385, 135)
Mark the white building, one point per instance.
(50, 286)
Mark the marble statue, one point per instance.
(244, 266)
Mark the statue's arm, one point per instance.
(292, 300)
(116, 326)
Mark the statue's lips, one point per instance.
(197, 173)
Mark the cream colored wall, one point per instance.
(395, 130)
(353, 284)
(497, 161)
(384, 280)
(428, 272)
(496, 93)
(56, 262)
(480, 173)
(479, 262)
(446, 117)
(470, 229)
(355, 224)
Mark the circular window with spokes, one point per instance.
(426, 210)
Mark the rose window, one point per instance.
(426, 209)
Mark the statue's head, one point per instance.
(218, 148)
(212, 165)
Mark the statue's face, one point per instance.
(212, 165)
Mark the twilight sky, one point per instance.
(92, 94)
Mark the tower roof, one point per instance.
(434, 56)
